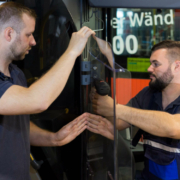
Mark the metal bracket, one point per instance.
(85, 79)
(85, 66)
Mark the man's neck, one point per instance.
(4, 67)
(170, 93)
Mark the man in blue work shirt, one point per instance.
(17, 24)
(155, 110)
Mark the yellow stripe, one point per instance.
(31, 157)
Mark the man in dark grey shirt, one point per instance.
(14, 133)
(17, 24)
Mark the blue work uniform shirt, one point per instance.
(162, 155)
(14, 134)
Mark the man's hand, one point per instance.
(71, 130)
(105, 49)
(79, 40)
(99, 125)
(103, 105)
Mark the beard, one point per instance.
(16, 52)
(162, 82)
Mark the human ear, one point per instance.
(9, 33)
(177, 65)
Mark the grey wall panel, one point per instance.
(136, 3)
(73, 7)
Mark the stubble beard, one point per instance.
(15, 53)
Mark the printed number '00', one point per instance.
(131, 44)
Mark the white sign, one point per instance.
(119, 50)
(139, 19)
(145, 17)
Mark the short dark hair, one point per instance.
(11, 14)
(173, 49)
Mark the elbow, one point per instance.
(41, 106)
(38, 102)
(173, 127)
(174, 133)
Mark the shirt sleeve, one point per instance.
(142, 99)
(4, 85)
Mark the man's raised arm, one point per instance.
(38, 97)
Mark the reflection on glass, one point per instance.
(108, 159)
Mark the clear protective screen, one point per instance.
(108, 158)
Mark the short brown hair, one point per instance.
(11, 15)
(173, 49)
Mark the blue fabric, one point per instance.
(152, 100)
(14, 134)
(17, 77)
(165, 172)
(4, 85)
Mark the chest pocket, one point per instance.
(162, 163)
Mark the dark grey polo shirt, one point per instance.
(144, 97)
(14, 135)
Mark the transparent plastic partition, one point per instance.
(108, 159)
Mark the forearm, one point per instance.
(48, 87)
(52, 83)
(110, 58)
(38, 97)
(155, 122)
(120, 124)
(40, 137)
